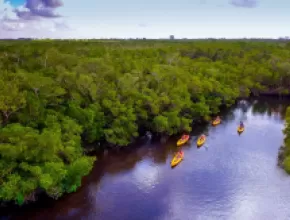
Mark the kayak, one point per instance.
(177, 159)
(200, 142)
(216, 122)
(241, 129)
(182, 141)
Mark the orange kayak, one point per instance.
(216, 122)
(182, 140)
(177, 159)
(241, 129)
(200, 142)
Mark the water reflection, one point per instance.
(230, 177)
(271, 107)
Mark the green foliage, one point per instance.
(41, 159)
(91, 118)
(286, 151)
(56, 94)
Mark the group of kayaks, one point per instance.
(200, 141)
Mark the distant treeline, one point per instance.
(281, 39)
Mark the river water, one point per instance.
(232, 177)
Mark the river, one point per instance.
(232, 177)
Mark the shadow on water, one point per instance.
(139, 183)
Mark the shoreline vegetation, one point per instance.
(57, 96)
(284, 151)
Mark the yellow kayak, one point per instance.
(182, 140)
(241, 129)
(177, 159)
(216, 122)
(200, 141)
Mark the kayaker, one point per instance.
(184, 137)
(218, 118)
(241, 124)
(202, 137)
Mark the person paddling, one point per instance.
(184, 137)
(241, 124)
(179, 154)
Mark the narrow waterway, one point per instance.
(232, 177)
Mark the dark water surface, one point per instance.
(231, 177)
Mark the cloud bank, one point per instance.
(112, 18)
(35, 18)
(34, 9)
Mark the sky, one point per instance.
(144, 18)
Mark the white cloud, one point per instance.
(37, 18)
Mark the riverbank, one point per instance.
(224, 112)
(104, 149)
(218, 180)
(284, 151)
(139, 141)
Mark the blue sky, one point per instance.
(150, 18)
(17, 2)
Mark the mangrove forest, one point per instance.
(58, 96)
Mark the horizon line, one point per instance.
(144, 38)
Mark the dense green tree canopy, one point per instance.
(56, 94)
